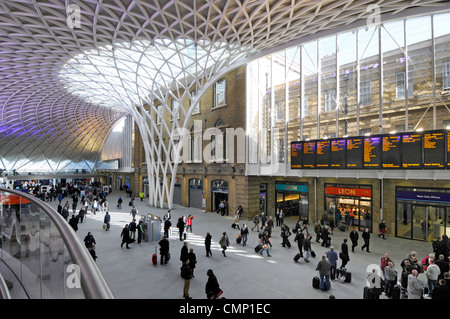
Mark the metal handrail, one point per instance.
(92, 282)
(4, 290)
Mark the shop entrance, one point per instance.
(421, 222)
(421, 214)
(219, 194)
(352, 200)
(292, 199)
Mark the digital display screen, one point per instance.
(323, 149)
(309, 155)
(433, 150)
(296, 155)
(372, 152)
(448, 149)
(337, 154)
(412, 150)
(392, 154)
(355, 152)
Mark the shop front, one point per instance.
(422, 213)
(219, 194)
(292, 198)
(352, 200)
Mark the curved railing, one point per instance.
(43, 253)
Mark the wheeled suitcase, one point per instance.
(258, 248)
(297, 257)
(313, 254)
(154, 258)
(238, 239)
(348, 277)
(316, 282)
(366, 293)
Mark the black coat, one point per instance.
(164, 246)
(125, 234)
(212, 286)
(299, 238)
(184, 253)
(354, 236)
(208, 240)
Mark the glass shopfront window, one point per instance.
(421, 213)
(292, 198)
(352, 200)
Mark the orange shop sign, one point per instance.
(359, 192)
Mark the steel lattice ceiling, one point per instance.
(55, 111)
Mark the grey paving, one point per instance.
(243, 274)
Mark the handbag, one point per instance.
(313, 253)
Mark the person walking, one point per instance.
(244, 234)
(125, 234)
(366, 237)
(224, 243)
(212, 288)
(119, 203)
(345, 258)
(265, 243)
(107, 220)
(332, 257)
(208, 244)
(285, 233)
(164, 250)
(324, 268)
(81, 214)
(325, 235)
(89, 240)
(189, 223)
(299, 238)
(307, 248)
(73, 222)
(382, 228)
(354, 236)
(186, 275)
(256, 223)
(92, 252)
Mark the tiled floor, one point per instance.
(242, 274)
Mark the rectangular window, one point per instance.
(365, 93)
(330, 100)
(158, 114)
(446, 75)
(280, 150)
(279, 108)
(400, 88)
(219, 93)
(175, 109)
(197, 106)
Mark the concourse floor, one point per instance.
(242, 274)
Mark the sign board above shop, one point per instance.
(291, 188)
(344, 191)
(423, 196)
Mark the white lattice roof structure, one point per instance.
(70, 69)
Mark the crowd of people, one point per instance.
(398, 279)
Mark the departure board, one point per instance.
(309, 155)
(448, 149)
(372, 152)
(412, 150)
(323, 149)
(296, 155)
(355, 152)
(391, 151)
(433, 150)
(337, 154)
